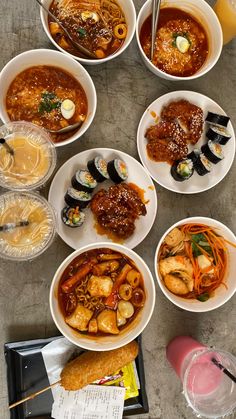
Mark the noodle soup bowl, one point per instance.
(128, 9)
(204, 14)
(47, 57)
(223, 293)
(126, 335)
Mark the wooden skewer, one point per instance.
(33, 395)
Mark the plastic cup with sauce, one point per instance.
(209, 391)
(27, 225)
(33, 159)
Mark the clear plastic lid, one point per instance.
(33, 157)
(27, 225)
(209, 383)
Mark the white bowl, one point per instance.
(105, 343)
(204, 14)
(222, 295)
(51, 58)
(130, 16)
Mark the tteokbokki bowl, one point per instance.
(48, 89)
(195, 264)
(103, 27)
(188, 42)
(102, 296)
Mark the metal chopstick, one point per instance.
(155, 17)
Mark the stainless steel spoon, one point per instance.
(79, 47)
(66, 129)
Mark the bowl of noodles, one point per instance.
(102, 296)
(104, 27)
(188, 39)
(195, 264)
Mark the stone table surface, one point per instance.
(124, 88)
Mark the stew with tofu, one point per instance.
(101, 292)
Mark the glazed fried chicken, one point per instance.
(181, 123)
(188, 116)
(117, 209)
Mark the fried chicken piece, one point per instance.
(187, 115)
(117, 209)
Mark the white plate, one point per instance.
(160, 172)
(86, 234)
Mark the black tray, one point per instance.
(26, 374)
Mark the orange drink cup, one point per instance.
(226, 12)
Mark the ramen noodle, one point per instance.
(99, 25)
(101, 292)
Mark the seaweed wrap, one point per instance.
(213, 151)
(72, 217)
(182, 170)
(194, 155)
(218, 135)
(98, 169)
(117, 170)
(83, 181)
(74, 198)
(216, 119)
(202, 166)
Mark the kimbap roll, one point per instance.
(194, 155)
(218, 135)
(98, 169)
(182, 170)
(216, 119)
(117, 170)
(213, 151)
(72, 217)
(202, 165)
(83, 181)
(74, 198)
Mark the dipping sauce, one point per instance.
(181, 46)
(99, 26)
(34, 157)
(27, 225)
(101, 292)
(36, 96)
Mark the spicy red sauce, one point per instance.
(175, 22)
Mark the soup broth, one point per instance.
(24, 241)
(101, 292)
(30, 163)
(98, 25)
(181, 45)
(36, 95)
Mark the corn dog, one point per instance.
(92, 365)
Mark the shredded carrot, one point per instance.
(204, 279)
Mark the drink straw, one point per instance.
(224, 370)
(7, 147)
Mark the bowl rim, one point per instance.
(168, 76)
(81, 131)
(119, 248)
(198, 219)
(87, 61)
